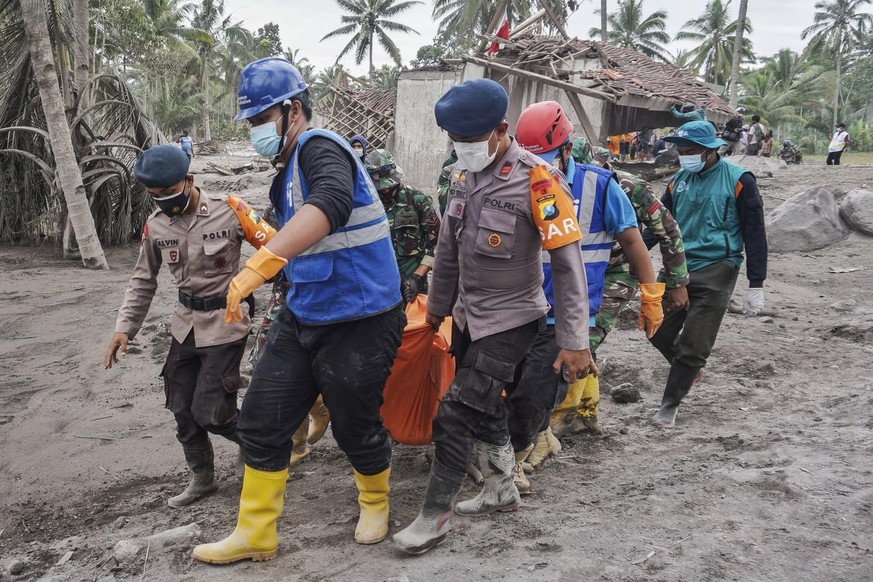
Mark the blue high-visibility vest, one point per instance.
(589, 186)
(351, 273)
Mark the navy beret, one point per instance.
(472, 108)
(161, 166)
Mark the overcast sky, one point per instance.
(302, 23)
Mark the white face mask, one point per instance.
(475, 155)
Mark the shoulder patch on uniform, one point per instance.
(145, 233)
(506, 169)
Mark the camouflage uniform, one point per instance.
(619, 283)
(414, 224)
(443, 181)
(581, 151)
(412, 218)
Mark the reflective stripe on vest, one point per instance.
(589, 189)
(351, 273)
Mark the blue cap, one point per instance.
(700, 133)
(472, 108)
(161, 166)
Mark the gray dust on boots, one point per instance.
(679, 383)
(432, 523)
(201, 461)
(497, 463)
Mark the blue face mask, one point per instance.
(265, 139)
(693, 163)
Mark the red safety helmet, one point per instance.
(543, 128)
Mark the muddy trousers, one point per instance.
(538, 391)
(347, 363)
(474, 407)
(200, 386)
(688, 336)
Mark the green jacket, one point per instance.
(705, 206)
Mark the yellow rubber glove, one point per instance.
(651, 310)
(259, 269)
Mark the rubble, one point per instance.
(126, 551)
(857, 210)
(758, 165)
(807, 221)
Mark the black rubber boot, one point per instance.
(678, 384)
(432, 524)
(201, 461)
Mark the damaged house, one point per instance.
(604, 89)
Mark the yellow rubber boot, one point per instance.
(320, 419)
(373, 498)
(299, 448)
(255, 537)
(564, 417)
(588, 405)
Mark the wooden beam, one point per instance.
(593, 139)
(498, 12)
(554, 18)
(520, 28)
(570, 87)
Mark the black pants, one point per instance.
(201, 385)
(347, 363)
(687, 336)
(834, 158)
(752, 149)
(538, 391)
(473, 407)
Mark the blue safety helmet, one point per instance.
(266, 82)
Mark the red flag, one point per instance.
(502, 32)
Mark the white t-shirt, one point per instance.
(838, 142)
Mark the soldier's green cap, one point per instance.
(581, 151)
(384, 172)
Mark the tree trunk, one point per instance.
(70, 177)
(738, 51)
(80, 39)
(603, 32)
(207, 130)
(839, 56)
(371, 58)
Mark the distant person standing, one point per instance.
(187, 144)
(767, 145)
(839, 142)
(756, 136)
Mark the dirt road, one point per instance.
(768, 475)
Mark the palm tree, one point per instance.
(630, 29)
(34, 17)
(462, 21)
(839, 25)
(604, 16)
(715, 33)
(210, 29)
(367, 21)
(735, 58)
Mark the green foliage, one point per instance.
(714, 31)
(428, 55)
(385, 77)
(368, 22)
(631, 29)
(267, 41)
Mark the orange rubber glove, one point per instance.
(262, 267)
(651, 310)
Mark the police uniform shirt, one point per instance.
(489, 254)
(202, 252)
